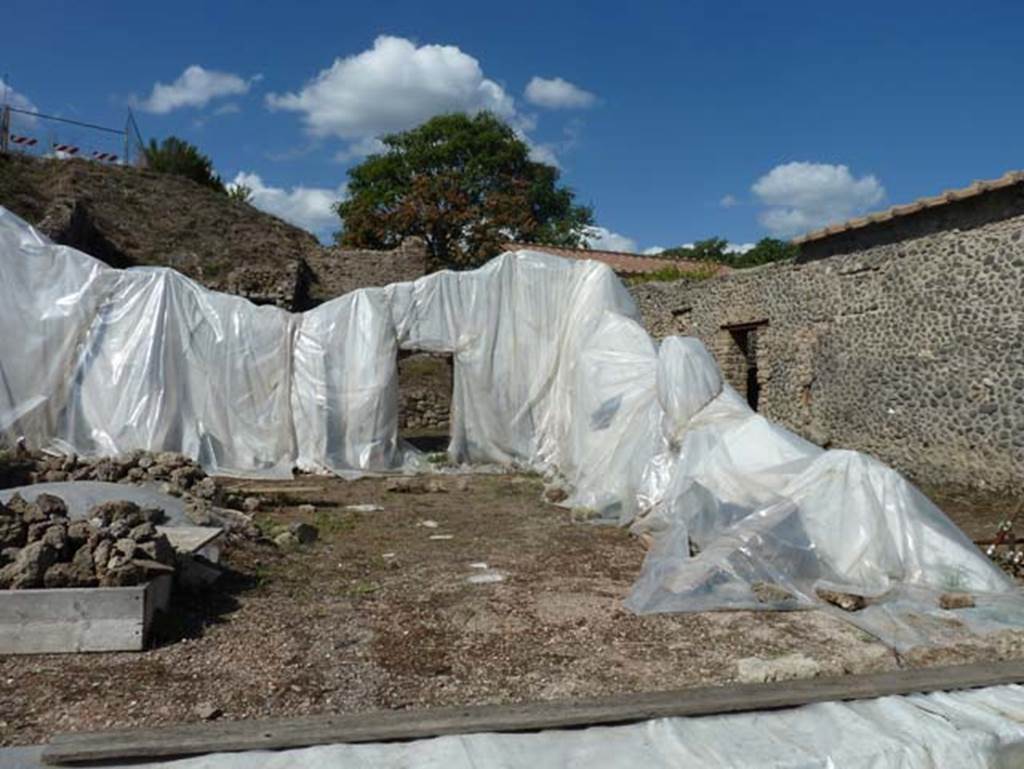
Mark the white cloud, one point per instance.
(17, 100)
(653, 250)
(392, 87)
(603, 239)
(195, 87)
(802, 196)
(728, 201)
(556, 93)
(370, 145)
(311, 208)
(542, 153)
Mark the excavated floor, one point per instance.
(465, 589)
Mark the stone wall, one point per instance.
(337, 271)
(912, 351)
(424, 392)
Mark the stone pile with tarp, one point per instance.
(117, 544)
(166, 472)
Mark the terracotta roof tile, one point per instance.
(977, 187)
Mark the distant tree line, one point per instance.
(466, 184)
(717, 250)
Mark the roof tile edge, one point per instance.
(977, 187)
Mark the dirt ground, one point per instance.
(474, 592)
(978, 513)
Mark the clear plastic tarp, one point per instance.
(552, 371)
(100, 361)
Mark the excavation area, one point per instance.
(432, 590)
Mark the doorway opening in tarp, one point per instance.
(740, 360)
(425, 399)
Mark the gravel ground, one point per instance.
(403, 607)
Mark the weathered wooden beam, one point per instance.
(274, 734)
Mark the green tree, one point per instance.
(177, 156)
(710, 250)
(240, 192)
(767, 250)
(715, 250)
(465, 184)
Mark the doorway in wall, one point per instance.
(740, 365)
(425, 399)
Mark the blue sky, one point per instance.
(676, 121)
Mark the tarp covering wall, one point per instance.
(551, 371)
(102, 361)
(744, 514)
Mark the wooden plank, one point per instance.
(199, 738)
(279, 488)
(72, 620)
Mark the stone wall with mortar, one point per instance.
(336, 271)
(424, 392)
(911, 351)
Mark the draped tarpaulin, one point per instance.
(103, 361)
(552, 371)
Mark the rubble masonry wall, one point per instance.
(912, 351)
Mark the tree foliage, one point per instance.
(717, 250)
(177, 156)
(240, 192)
(465, 184)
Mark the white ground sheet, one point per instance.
(552, 371)
(957, 730)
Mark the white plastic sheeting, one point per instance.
(981, 729)
(774, 519)
(102, 361)
(551, 371)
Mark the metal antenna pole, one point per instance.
(5, 118)
(5, 127)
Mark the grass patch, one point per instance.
(672, 274)
(424, 365)
(332, 523)
(362, 587)
(440, 459)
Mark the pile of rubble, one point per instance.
(175, 473)
(168, 472)
(117, 544)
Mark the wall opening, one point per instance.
(740, 364)
(425, 398)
